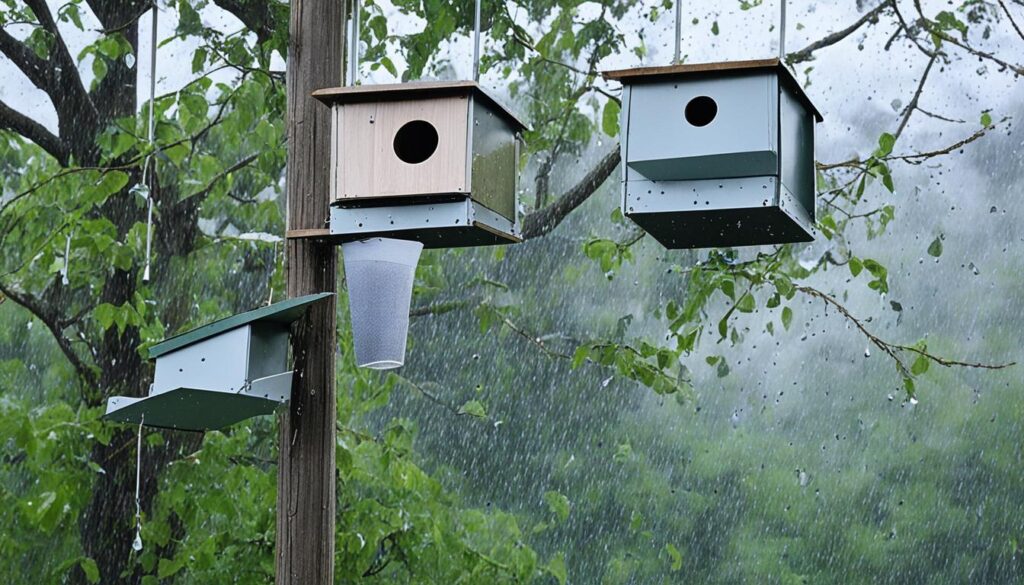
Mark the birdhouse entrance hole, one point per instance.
(701, 111)
(416, 141)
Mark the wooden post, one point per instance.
(306, 471)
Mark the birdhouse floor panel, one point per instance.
(724, 228)
(438, 225)
(189, 409)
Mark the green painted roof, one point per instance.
(283, 312)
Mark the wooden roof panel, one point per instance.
(414, 90)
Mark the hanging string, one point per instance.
(679, 31)
(152, 138)
(476, 40)
(137, 543)
(353, 57)
(67, 261)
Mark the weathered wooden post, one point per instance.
(305, 481)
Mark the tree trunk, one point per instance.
(305, 499)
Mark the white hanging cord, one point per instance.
(152, 138)
(67, 261)
(679, 31)
(782, 32)
(353, 57)
(476, 40)
(137, 543)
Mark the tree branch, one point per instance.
(256, 15)
(541, 222)
(51, 322)
(807, 53)
(894, 349)
(15, 121)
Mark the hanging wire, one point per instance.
(149, 159)
(476, 40)
(137, 543)
(67, 261)
(679, 31)
(353, 58)
(782, 32)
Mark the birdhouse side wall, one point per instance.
(218, 364)
(364, 158)
(796, 138)
(493, 161)
(268, 350)
(741, 140)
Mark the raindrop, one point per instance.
(867, 352)
(129, 60)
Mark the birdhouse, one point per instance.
(435, 162)
(218, 374)
(719, 154)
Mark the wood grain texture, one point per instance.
(306, 468)
(368, 166)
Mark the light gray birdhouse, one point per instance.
(218, 374)
(435, 162)
(719, 154)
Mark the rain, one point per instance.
(584, 407)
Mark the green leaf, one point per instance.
(855, 266)
(935, 248)
(610, 118)
(920, 365)
(675, 556)
(787, 317)
(473, 408)
(556, 567)
(198, 60)
(986, 119)
(168, 567)
(886, 142)
(558, 504)
(714, 28)
(746, 304)
(92, 572)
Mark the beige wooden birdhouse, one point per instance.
(435, 162)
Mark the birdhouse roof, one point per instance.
(413, 91)
(655, 74)
(283, 312)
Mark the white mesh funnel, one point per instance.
(379, 273)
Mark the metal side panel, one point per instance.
(277, 387)
(188, 409)
(493, 161)
(705, 195)
(216, 363)
(268, 350)
(450, 224)
(714, 214)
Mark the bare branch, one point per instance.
(917, 97)
(1020, 33)
(542, 221)
(894, 349)
(15, 121)
(807, 53)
